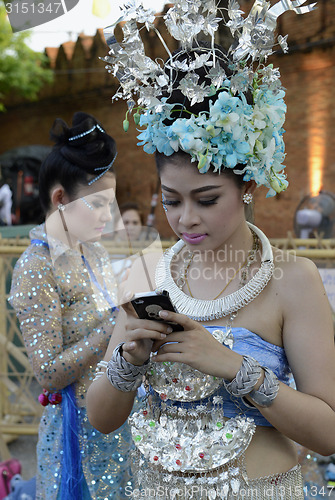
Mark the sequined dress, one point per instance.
(185, 446)
(62, 312)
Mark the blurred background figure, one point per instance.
(130, 236)
(315, 215)
(131, 220)
(5, 203)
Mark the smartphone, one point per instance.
(148, 305)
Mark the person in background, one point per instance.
(64, 293)
(132, 220)
(5, 203)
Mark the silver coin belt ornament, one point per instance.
(181, 436)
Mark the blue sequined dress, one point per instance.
(62, 313)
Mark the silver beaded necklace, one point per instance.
(207, 310)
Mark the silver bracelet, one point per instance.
(267, 392)
(100, 370)
(246, 378)
(123, 375)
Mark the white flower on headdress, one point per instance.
(234, 13)
(217, 76)
(183, 28)
(133, 9)
(162, 80)
(148, 97)
(194, 92)
(200, 61)
(283, 43)
(179, 65)
(211, 24)
(188, 6)
(240, 81)
(270, 76)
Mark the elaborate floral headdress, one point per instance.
(232, 131)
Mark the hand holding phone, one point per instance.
(148, 305)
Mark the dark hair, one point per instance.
(75, 162)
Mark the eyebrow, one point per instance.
(194, 191)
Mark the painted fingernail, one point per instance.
(163, 314)
(163, 335)
(169, 329)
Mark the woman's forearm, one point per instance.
(303, 418)
(107, 408)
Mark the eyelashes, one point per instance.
(174, 203)
(213, 201)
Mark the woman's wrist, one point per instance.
(122, 374)
(131, 359)
(255, 382)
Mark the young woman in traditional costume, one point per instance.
(64, 293)
(220, 420)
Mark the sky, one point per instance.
(79, 19)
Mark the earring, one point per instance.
(247, 198)
(61, 209)
(163, 203)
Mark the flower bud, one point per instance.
(202, 161)
(137, 118)
(277, 185)
(212, 90)
(125, 125)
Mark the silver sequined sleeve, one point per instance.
(64, 331)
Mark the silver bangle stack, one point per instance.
(267, 392)
(246, 378)
(123, 375)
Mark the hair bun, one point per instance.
(59, 132)
(84, 144)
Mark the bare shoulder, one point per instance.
(300, 292)
(298, 285)
(294, 271)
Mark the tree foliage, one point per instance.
(22, 71)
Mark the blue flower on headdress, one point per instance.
(145, 138)
(232, 132)
(225, 108)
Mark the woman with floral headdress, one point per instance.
(220, 419)
(64, 294)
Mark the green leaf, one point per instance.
(23, 71)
